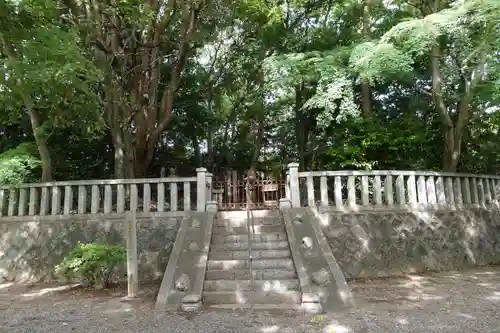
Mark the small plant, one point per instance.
(94, 263)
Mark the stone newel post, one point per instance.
(293, 172)
(201, 189)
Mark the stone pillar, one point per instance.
(132, 261)
(201, 189)
(293, 170)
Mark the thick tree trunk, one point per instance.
(452, 150)
(366, 103)
(40, 140)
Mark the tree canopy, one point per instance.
(123, 88)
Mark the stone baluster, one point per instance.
(22, 202)
(377, 190)
(94, 199)
(56, 201)
(421, 190)
(32, 205)
(108, 199)
(450, 196)
(338, 193)
(400, 190)
(146, 197)
(388, 191)
(487, 191)
(440, 193)
(412, 191)
(82, 199)
(173, 196)
(68, 200)
(310, 191)
(12, 202)
(160, 202)
(480, 189)
(431, 191)
(365, 191)
(187, 196)
(466, 191)
(351, 192)
(44, 201)
(134, 196)
(458, 191)
(323, 187)
(475, 191)
(120, 198)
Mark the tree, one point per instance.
(460, 42)
(43, 71)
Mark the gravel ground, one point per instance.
(457, 302)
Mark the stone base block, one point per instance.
(311, 303)
(191, 303)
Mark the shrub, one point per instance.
(17, 165)
(93, 263)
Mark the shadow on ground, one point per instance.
(465, 301)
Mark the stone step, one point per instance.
(243, 230)
(231, 297)
(242, 215)
(244, 264)
(258, 274)
(243, 222)
(243, 238)
(246, 285)
(281, 245)
(257, 307)
(256, 254)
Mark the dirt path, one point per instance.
(458, 302)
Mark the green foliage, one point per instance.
(17, 165)
(294, 73)
(378, 61)
(94, 263)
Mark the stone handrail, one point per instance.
(354, 190)
(106, 196)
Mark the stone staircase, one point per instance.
(227, 279)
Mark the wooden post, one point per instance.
(132, 265)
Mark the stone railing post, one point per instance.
(201, 189)
(293, 172)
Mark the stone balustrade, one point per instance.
(107, 196)
(361, 190)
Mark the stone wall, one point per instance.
(30, 249)
(379, 244)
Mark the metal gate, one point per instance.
(264, 191)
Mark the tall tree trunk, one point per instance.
(366, 103)
(196, 147)
(299, 125)
(40, 139)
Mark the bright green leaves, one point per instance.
(44, 64)
(378, 61)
